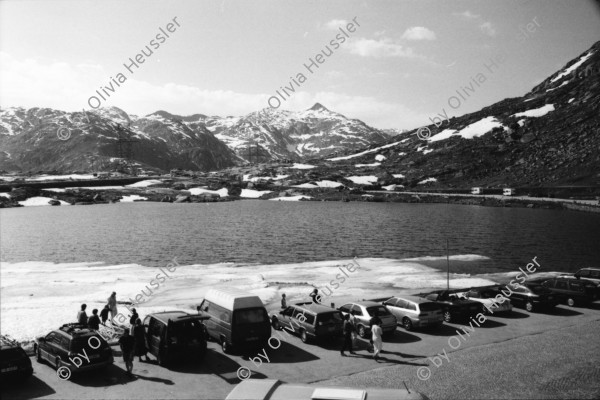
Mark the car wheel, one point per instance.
(570, 302)
(276, 324)
(529, 306)
(303, 336)
(361, 331)
(407, 323)
(57, 363)
(225, 346)
(447, 316)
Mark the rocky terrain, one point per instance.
(544, 144)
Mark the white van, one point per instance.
(476, 190)
(508, 192)
(238, 319)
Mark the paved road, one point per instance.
(476, 362)
(496, 196)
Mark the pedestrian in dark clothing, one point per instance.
(315, 296)
(104, 314)
(283, 301)
(94, 321)
(134, 317)
(139, 334)
(82, 315)
(348, 330)
(127, 344)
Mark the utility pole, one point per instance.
(448, 263)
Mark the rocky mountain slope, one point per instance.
(51, 140)
(548, 137)
(280, 134)
(30, 141)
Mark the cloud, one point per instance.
(384, 47)
(488, 28)
(485, 26)
(336, 23)
(418, 33)
(467, 14)
(29, 83)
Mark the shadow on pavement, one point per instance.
(444, 330)
(110, 376)
(285, 353)
(513, 315)
(400, 337)
(563, 312)
(30, 388)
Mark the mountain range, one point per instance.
(549, 136)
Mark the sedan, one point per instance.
(363, 312)
(487, 297)
(415, 312)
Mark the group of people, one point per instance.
(350, 332)
(349, 329)
(133, 340)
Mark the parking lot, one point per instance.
(295, 361)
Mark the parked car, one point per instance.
(572, 291)
(14, 362)
(363, 312)
(237, 319)
(591, 274)
(272, 389)
(415, 312)
(533, 297)
(60, 347)
(175, 335)
(311, 321)
(486, 296)
(453, 307)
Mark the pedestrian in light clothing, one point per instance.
(348, 330)
(112, 306)
(127, 344)
(104, 314)
(82, 317)
(94, 321)
(377, 334)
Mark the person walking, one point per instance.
(112, 306)
(82, 317)
(139, 335)
(127, 344)
(93, 321)
(348, 330)
(283, 301)
(134, 317)
(377, 334)
(104, 314)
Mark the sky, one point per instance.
(399, 64)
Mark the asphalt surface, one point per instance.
(520, 355)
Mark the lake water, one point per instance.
(291, 232)
(56, 258)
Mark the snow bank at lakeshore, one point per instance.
(131, 198)
(40, 201)
(39, 296)
(146, 183)
(291, 198)
(363, 180)
(200, 190)
(253, 194)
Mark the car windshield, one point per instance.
(377, 310)
(330, 318)
(250, 316)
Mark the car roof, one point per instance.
(414, 299)
(366, 303)
(272, 389)
(167, 316)
(315, 308)
(232, 298)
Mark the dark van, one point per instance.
(175, 335)
(237, 319)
